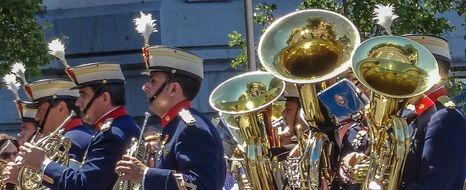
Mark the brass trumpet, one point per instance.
(140, 150)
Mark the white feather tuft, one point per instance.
(57, 49)
(145, 25)
(19, 70)
(385, 16)
(12, 84)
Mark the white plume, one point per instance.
(385, 16)
(12, 84)
(19, 70)
(57, 49)
(145, 25)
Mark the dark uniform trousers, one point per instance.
(437, 156)
(98, 170)
(194, 151)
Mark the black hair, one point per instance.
(116, 91)
(294, 99)
(70, 103)
(189, 85)
(4, 138)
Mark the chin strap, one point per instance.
(42, 123)
(96, 95)
(157, 93)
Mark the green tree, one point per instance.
(415, 16)
(21, 37)
(263, 16)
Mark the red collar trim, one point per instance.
(442, 91)
(173, 112)
(73, 123)
(115, 113)
(428, 101)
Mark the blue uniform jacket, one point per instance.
(355, 140)
(195, 151)
(437, 156)
(98, 170)
(81, 137)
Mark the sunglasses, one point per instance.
(8, 155)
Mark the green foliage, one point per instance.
(236, 40)
(263, 16)
(415, 16)
(454, 86)
(455, 90)
(21, 38)
(321, 4)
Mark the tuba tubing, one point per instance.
(248, 97)
(395, 69)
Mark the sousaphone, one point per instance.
(395, 69)
(248, 98)
(310, 48)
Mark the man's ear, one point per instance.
(62, 106)
(107, 98)
(174, 88)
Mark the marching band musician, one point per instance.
(101, 100)
(352, 140)
(29, 124)
(290, 114)
(9, 148)
(54, 102)
(190, 145)
(437, 158)
(292, 117)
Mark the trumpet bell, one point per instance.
(308, 46)
(395, 66)
(246, 93)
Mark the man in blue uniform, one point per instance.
(101, 100)
(29, 124)
(190, 147)
(437, 157)
(54, 102)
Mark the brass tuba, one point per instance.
(394, 69)
(248, 98)
(140, 150)
(309, 48)
(56, 148)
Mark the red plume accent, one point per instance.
(19, 106)
(145, 51)
(28, 91)
(71, 74)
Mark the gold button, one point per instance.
(421, 106)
